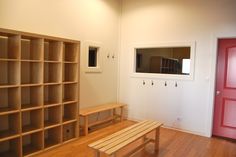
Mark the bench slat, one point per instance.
(132, 139)
(121, 140)
(92, 145)
(124, 134)
(100, 108)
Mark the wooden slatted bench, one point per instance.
(110, 145)
(86, 112)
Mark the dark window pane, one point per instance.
(92, 58)
(168, 60)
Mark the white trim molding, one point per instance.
(98, 68)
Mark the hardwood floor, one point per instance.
(172, 144)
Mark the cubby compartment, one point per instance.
(52, 72)
(31, 73)
(52, 94)
(52, 116)
(9, 47)
(9, 99)
(10, 148)
(69, 112)
(31, 120)
(31, 97)
(31, 49)
(70, 92)
(70, 52)
(70, 72)
(9, 71)
(53, 51)
(32, 143)
(10, 125)
(52, 137)
(69, 131)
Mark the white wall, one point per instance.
(93, 20)
(154, 21)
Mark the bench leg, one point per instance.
(86, 125)
(157, 139)
(97, 154)
(113, 155)
(121, 114)
(114, 115)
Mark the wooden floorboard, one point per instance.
(172, 144)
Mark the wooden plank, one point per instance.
(132, 139)
(100, 108)
(115, 134)
(121, 139)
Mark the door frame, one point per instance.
(212, 79)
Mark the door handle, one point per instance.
(217, 92)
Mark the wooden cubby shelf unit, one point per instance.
(52, 116)
(70, 52)
(10, 148)
(70, 92)
(31, 97)
(31, 120)
(52, 72)
(9, 46)
(70, 72)
(10, 125)
(69, 112)
(69, 131)
(52, 95)
(52, 136)
(32, 143)
(31, 49)
(9, 100)
(31, 72)
(39, 88)
(11, 72)
(53, 51)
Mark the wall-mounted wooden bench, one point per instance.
(110, 145)
(86, 112)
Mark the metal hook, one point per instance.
(108, 55)
(165, 83)
(113, 56)
(176, 85)
(152, 83)
(144, 82)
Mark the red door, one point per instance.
(225, 99)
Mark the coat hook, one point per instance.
(176, 85)
(144, 82)
(113, 56)
(108, 55)
(165, 83)
(152, 83)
